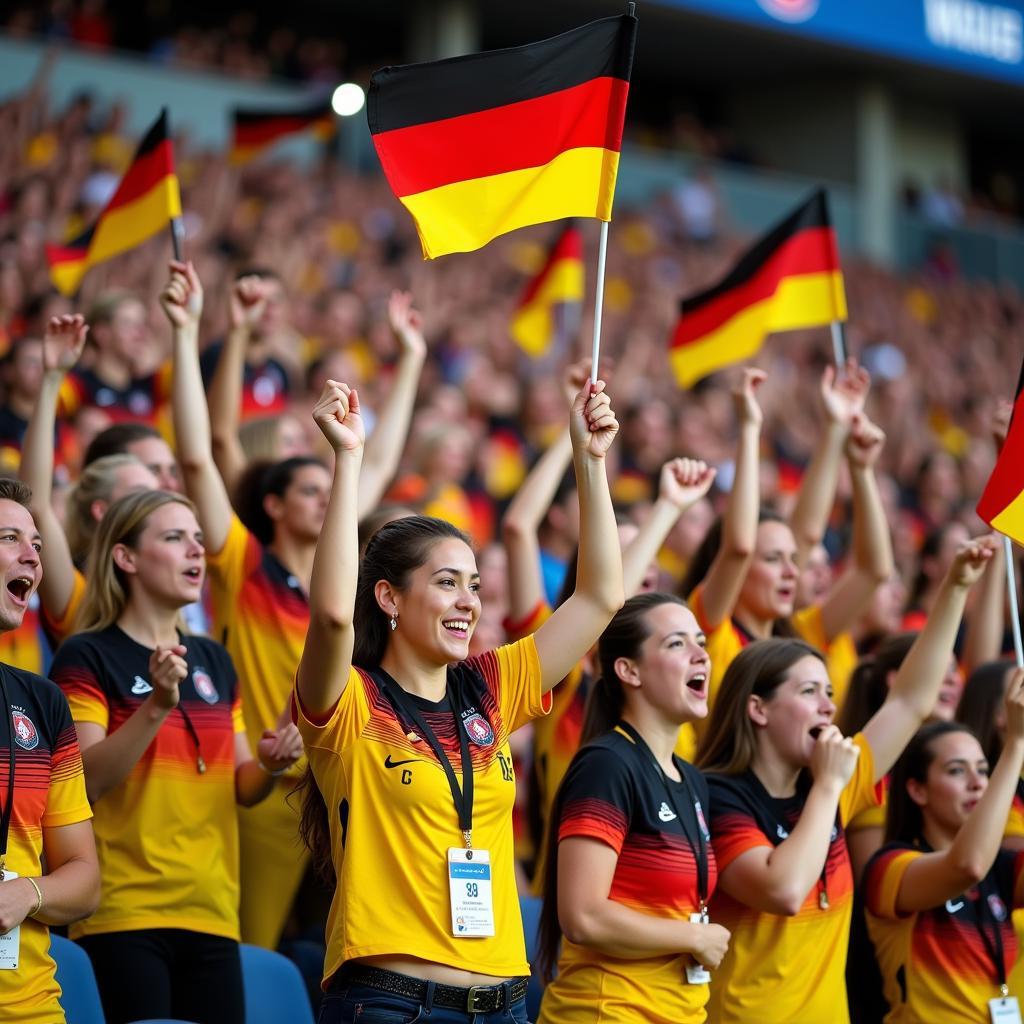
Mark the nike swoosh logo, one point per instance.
(388, 763)
(952, 907)
(140, 686)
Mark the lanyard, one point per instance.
(697, 842)
(200, 762)
(994, 941)
(5, 815)
(462, 796)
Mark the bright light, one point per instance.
(348, 99)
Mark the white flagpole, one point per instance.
(602, 253)
(838, 344)
(1011, 586)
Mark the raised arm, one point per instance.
(327, 654)
(932, 879)
(182, 301)
(247, 303)
(385, 444)
(777, 879)
(683, 483)
(842, 397)
(725, 577)
(63, 342)
(872, 561)
(589, 916)
(915, 689)
(575, 626)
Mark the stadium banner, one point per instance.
(977, 37)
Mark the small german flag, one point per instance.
(1002, 503)
(789, 279)
(255, 130)
(479, 145)
(559, 283)
(145, 202)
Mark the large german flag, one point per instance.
(144, 203)
(790, 279)
(479, 145)
(1002, 504)
(255, 130)
(559, 283)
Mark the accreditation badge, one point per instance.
(10, 942)
(469, 889)
(698, 974)
(1004, 1010)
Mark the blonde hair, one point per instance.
(95, 484)
(106, 587)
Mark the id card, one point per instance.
(11, 942)
(469, 888)
(1004, 1010)
(698, 974)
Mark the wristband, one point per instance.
(39, 896)
(270, 772)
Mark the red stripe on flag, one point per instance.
(1007, 479)
(262, 133)
(811, 251)
(530, 133)
(146, 172)
(568, 247)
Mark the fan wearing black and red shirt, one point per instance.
(630, 866)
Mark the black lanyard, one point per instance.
(5, 815)
(200, 762)
(698, 844)
(461, 797)
(994, 941)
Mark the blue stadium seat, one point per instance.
(80, 997)
(530, 907)
(274, 989)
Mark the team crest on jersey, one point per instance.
(479, 729)
(997, 906)
(204, 686)
(25, 733)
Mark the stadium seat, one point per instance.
(274, 989)
(530, 907)
(80, 997)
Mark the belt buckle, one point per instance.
(476, 992)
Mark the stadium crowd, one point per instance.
(796, 555)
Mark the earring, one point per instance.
(394, 621)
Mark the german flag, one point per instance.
(145, 202)
(1002, 504)
(479, 145)
(559, 283)
(790, 279)
(255, 130)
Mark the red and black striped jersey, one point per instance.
(49, 792)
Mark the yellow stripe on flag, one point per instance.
(466, 215)
(808, 300)
(122, 229)
(1011, 520)
(533, 326)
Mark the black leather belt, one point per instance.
(477, 999)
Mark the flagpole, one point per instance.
(602, 253)
(177, 237)
(838, 343)
(1011, 587)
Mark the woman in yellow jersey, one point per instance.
(260, 575)
(630, 865)
(166, 758)
(408, 741)
(941, 891)
(102, 482)
(742, 583)
(44, 811)
(785, 888)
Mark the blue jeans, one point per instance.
(360, 1004)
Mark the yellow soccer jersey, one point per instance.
(167, 836)
(260, 614)
(49, 792)
(935, 964)
(392, 817)
(783, 970)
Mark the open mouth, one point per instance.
(698, 683)
(20, 588)
(816, 731)
(195, 573)
(457, 627)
